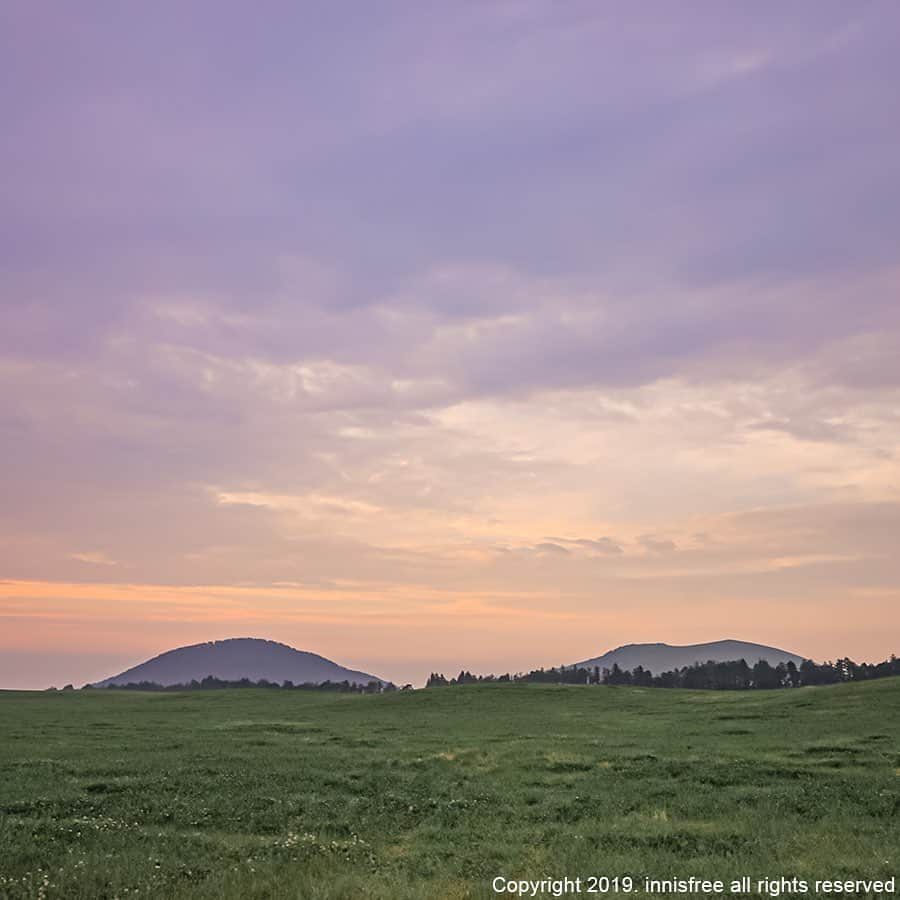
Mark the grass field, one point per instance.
(431, 794)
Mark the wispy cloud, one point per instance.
(95, 558)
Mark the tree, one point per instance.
(793, 676)
(642, 677)
(764, 676)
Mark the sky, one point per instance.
(428, 336)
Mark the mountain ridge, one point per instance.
(661, 657)
(232, 659)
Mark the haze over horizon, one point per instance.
(430, 337)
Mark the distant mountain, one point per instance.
(659, 658)
(237, 658)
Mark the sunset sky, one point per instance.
(439, 335)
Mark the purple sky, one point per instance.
(377, 328)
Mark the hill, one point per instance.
(660, 658)
(238, 658)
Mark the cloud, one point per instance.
(603, 546)
(656, 544)
(804, 431)
(549, 547)
(532, 276)
(95, 558)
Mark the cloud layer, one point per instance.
(351, 325)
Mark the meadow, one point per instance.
(432, 794)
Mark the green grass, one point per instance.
(430, 794)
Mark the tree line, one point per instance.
(211, 683)
(736, 675)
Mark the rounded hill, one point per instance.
(237, 658)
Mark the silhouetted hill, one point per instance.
(660, 658)
(237, 658)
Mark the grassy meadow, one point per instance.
(431, 794)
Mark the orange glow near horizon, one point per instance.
(400, 634)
